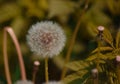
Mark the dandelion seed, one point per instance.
(23, 82)
(46, 38)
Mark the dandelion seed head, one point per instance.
(100, 28)
(54, 82)
(23, 82)
(118, 58)
(46, 38)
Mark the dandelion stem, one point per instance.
(14, 38)
(33, 78)
(6, 65)
(64, 71)
(46, 70)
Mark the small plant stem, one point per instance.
(34, 76)
(97, 63)
(64, 71)
(6, 64)
(46, 70)
(21, 62)
(95, 80)
(118, 71)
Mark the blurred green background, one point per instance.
(21, 14)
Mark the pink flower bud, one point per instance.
(118, 58)
(94, 71)
(100, 28)
(36, 63)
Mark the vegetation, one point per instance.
(86, 48)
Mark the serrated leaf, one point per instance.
(101, 61)
(103, 57)
(78, 65)
(117, 39)
(74, 76)
(102, 49)
(110, 56)
(108, 37)
(92, 57)
(96, 56)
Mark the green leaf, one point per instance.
(78, 65)
(92, 29)
(113, 6)
(102, 56)
(92, 57)
(110, 56)
(99, 56)
(8, 11)
(33, 8)
(102, 49)
(61, 8)
(117, 39)
(74, 76)
(108, 37)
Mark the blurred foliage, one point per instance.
(21, 14)
(105, 55)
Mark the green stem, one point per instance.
(46, 70)
(118, 72)
(96, 80)
(64, 71)
(34, 76)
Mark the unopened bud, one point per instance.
(94, 71)
(118, 58)
(36, 63)
(100, 28)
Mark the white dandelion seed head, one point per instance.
(100, 28)
(46, 38)
(23, 82)
(118, 58)
(94, 70)
(54, 82)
